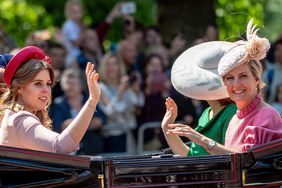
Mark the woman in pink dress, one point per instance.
(24, 118)
(255, 122)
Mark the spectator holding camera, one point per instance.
(119, 100)
(156, 89)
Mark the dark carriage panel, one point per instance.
(259, 167)
(156, 171)
(265, 169)
(28, 168)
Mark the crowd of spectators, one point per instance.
(134, 78)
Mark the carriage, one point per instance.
(259, 167)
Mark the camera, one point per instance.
(128, 8)
(133, 77)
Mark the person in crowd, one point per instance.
(24, 118)
(255, 122)
(197, 78)
(57, 53)
(65, 108)
(177, 46)
(156, 89)
(4, 60)
(7, 43)
(39, 38)
(134, 33)
(91, 50)
(2, 42)
(277, 104)
(211, 34)
(154, 44)
(127, 53)
(120, 98)
(274, 74)
(73, 27)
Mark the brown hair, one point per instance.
(226, 101)
(24, 75)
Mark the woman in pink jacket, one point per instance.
(24, 118)
(255, 122)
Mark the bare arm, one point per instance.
(173, 140)
(79, 125)
(194, 136)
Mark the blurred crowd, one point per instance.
(134, 78)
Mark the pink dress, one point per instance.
(24, 130)
(257, 124)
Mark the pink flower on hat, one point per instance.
(255, 48)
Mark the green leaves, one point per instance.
(18, 18)
(232, 17)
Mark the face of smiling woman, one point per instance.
(37, 94)
(241, 85)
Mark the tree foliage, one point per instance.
(18, 18)
(273, 15)
(233, 16)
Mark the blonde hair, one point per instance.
(256, 49)
(256, 69)
(24, 75)
(103, 65)
(70, 73)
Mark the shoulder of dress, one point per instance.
(22, 114)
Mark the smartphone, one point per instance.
(128, 8)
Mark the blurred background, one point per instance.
(21, 17)
(133, 45)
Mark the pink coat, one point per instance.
(24, 130)
(259, 123)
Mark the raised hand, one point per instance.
(115, 12)
(92, 82)
(171, 113)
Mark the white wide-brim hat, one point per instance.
(194, 73)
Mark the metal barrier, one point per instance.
(141, 130)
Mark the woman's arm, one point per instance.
(194, 136)
(32, 134)
(173, 140)
(79, 125)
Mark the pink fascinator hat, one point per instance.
(253, 49)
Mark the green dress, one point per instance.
(214, 128)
